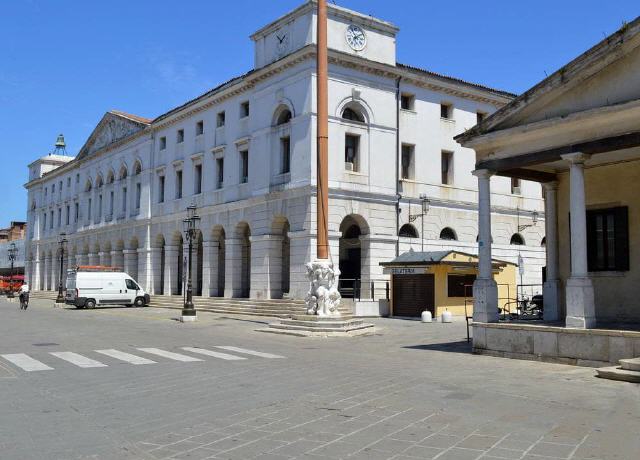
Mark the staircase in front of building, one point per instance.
(275, 308)
(627, 371)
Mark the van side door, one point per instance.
(132, 289)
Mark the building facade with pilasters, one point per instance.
(244, 154)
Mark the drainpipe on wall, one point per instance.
(398, 195)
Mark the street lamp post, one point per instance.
(190, 231)
(13, 251)
(412, 217)
(61, 242)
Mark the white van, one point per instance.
(88, 287)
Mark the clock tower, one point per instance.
(348, 31)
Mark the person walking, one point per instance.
(24, 296)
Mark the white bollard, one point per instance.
(426, 316)
(446, 317)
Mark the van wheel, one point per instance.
(90, 303)
(139, 302)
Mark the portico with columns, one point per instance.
(577, 134)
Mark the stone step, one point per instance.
(617, 373)
(335, 324)
(632, 364)
(302, 327)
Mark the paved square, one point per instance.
(412, 391)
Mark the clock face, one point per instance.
(356, 38)
(282, 41)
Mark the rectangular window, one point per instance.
(53, 188)
(515, 186)
(480, 116)
(59, 217)
(68, 214)
(446, 111)
(178, 184)
(244, 166)
(89, 209)
(99, 206)
(51, 219)
(124, 200)
(285, 154)
(244, 109)
(138, 194)
(111, 197)
(60, 187)
(351, 152)
(220, 168)
(163, 143)
(608, 239)
(408, 161)
(68, 182)
(199, 128)
(77, 178)
(220, 119)
(460, 285)
(180, 136)
(160, 189)
(197, 179)
(407, 102)
(45, 191)
(76, 212)
(44, 221)
(447, 167)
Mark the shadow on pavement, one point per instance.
(461, 346)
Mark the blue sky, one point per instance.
(64, 63)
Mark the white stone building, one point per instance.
(244, 154)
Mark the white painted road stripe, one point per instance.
(78, 360)
(251, 352)
(26, 362)
(127, 357)
(170, 355)
(215, 354)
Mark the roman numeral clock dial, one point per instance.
(356, 37)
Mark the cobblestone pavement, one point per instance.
(412, 391)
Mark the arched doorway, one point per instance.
(243, 233)
(351, 256)
(280, 259)
(219, 261)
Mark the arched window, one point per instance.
(137, 168)
(284, 117)
(99, 181)
(110, 177)
(517, 239)
(87, 187)
(123, 172)
(543, 243)
(408, 231)
(352, 114)
(352, 232)
(448, 233)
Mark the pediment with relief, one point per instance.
(112, 128)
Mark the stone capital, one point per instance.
(550, 186)
(576, 157)
(483, 173)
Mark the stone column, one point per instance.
(265, 267)
(156, 271)
(47, 273)
(144, 269)
(485, 289)
(208, 258)
(131, 262)
(171, 281)
(365, 266)
(94, 259)
(551, 288)
(117, 259)
(233, 268)
(35, 282)
(579, 289)
(273, 265)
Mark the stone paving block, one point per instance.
(478, 442)
(195, 454)
(298, 447)
(412, 433)
(260, 446)
(391, 445)
(457, 453)
(552, 450)
(441, 440)
(505, 453)
(337, 449)
(422, 452)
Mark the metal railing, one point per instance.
(353, 288)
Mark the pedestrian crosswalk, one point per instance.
(49, 361)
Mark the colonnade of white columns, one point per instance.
(579, 293)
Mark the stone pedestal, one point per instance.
(485, 301)
(551, 296)
(581, 310)
(317, 326)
